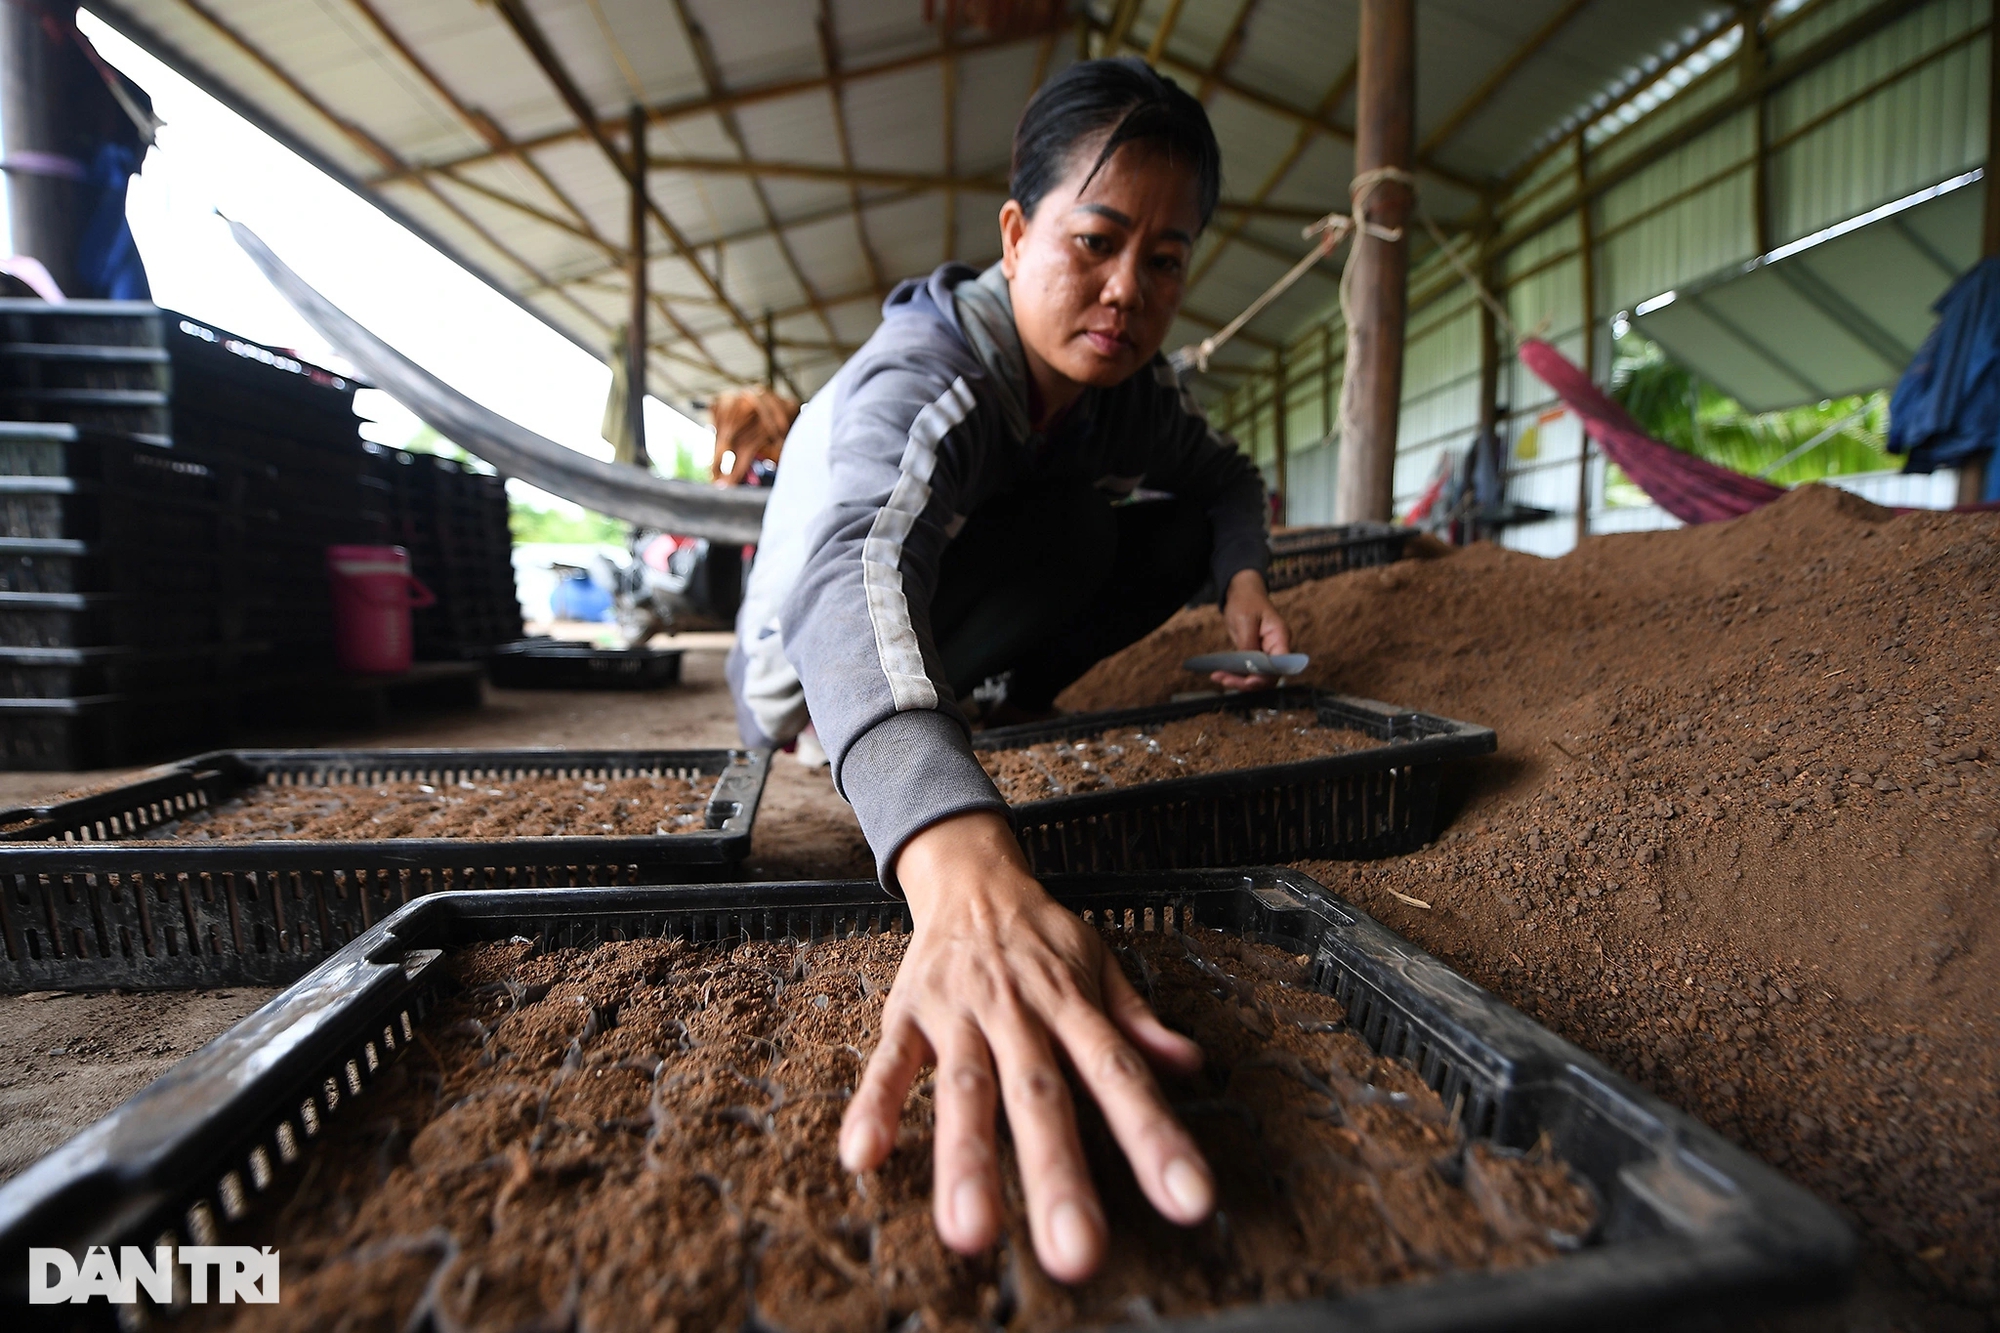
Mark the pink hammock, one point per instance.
(1692, 489)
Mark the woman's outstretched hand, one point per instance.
(999, 977)
(1254, 626)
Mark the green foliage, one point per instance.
(684, 468)
(530, 524)
(1700, 419)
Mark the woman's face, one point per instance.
(1096, 274)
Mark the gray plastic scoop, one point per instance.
(1248, 664)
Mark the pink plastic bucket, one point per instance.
(373, 595)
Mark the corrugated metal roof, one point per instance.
(447, 113)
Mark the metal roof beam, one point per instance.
(711, 76)
(1300, 142)
(379, 151)
(1493, 82)
(514, 13)
(917, 180)
(731, 100)
(1164, 32)
(729, 238)
(1299, 116)
(1748, 93)
(829, 50)
(483, 125)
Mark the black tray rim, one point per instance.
(734, 800)
(1792, 1243)
(1452, 740)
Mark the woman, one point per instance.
(944, 514)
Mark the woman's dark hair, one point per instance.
(1130, 99)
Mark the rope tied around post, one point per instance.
(1331, 230)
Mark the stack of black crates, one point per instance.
(167, 495)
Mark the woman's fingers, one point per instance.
(1165, 1160)
(1136, 1019)
(965, 1180)
(868, 1130)
(1064, 1217)
(1233, 682)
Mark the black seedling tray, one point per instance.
(88, 901)
(547, 664)
(1305, 554)
(1690, 1224)
(1364, 804)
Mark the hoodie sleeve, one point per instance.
(857, 624)
(1193, 458)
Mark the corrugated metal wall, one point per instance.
(1878, 118)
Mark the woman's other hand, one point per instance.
(1000, 979)
(1254, 626)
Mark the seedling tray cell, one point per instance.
(546, 664)
(88, 901)
(1369, 803)
(1690, 1225)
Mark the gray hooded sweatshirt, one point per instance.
(927, 422)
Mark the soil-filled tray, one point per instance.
(546, 664)
(659, 1143)
(116, 888)
(1239, 779)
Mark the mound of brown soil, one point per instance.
(1183, 748)
(527, 807)
(642, 1135)
(1740, 835)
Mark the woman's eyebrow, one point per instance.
(1106, 211)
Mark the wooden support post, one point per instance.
(1371, 395)
(1280, 439)
(1586, 237)
(770, 351)
(635, 261)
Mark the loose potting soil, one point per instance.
(1185, 747)
(521, 807)
(1741, 838)
(642, 1135)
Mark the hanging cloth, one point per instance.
(725, 514)
(1946, 408)
(1692, 489)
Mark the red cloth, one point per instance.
(1692, 489)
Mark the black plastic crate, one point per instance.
(1691, 1225)
(87, 901)
(77, 366)
(59, 673)
(548, 664)
(97, 620)
(62, 565)
(1304, 554)
(67, 735)
(82, 323)
(135, 411)
(1366, 803)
